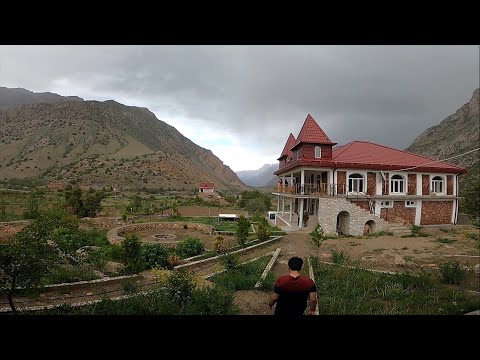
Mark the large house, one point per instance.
(361, 187)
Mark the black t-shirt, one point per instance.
(293, 293)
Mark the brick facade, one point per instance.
(385, 185)
(307, 151)
(449, 184)
(436, 212)
(399, 213)
(341, 178)
(361, 204)
(412, 184)
(425, 184)
(371, 183)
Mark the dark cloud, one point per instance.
(386, 94)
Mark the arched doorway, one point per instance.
(343, 223)
(369, 227)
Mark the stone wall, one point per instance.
(425, 184)
(331, 207)
(436, 212)
(371, 183)
(399, 213)
(412, 184)
(114, 235)
(341, 179)
(449, 184)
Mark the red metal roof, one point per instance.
(288, 145)
(311, 132)
(367, 153)
(207, 185)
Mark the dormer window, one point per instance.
(318, 152)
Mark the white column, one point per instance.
(278, 204)
(300, 211)
(302, 181)
(291, 209)
(330, 182)
(378, 190)
(454, 182)
(418, 212)
(419, 184)
(283, 206)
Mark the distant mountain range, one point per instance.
(54, 138)
(262, 177)
(19, 96)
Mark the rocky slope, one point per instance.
(105, 144)
(455, 135)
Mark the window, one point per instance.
(397, 185)
(386, 204)
(297, 154)
(318, 152)
(410, 203)
(355, 183)
(437, 184)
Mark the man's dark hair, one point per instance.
(295, 263)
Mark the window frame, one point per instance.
(434, 182)
(411, 201)
(401, 186)
(356, 179)
(389, 206)
(320, 152)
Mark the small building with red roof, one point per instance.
(207, 187)
(361, 187)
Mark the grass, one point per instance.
(377, 251)
(70, 274)
(447, 230)
(218, 225)
(345, 291)
(445, 241)
(205, 301)
(244, 277)
(380, 233)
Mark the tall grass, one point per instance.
(349, 291)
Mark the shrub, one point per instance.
(242, 230)
(219, 245)
(189, 247)
(155, 256)
(452, 273)
(174, 260)
(317, 237)
(211, 301)
(70, 274)
(229, 262)
(185, 226)
(340, 257)
(264, 230)
(180, 287)
(445, 241)
(131, 255)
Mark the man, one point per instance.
(291, 291)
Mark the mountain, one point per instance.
(106, 144)
(19, 96)
(261, 177)
(457, 134)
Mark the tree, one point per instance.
(33, 203)
(264, 230)
(175, 211)
(242, 230)
(131, 255)
(84, 205)
(471, 197)
(317, 237)
(23, 263)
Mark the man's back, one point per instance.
(293, 293)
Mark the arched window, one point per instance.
(397, 184)
(318, 152)
(355, 183)
(437, 184)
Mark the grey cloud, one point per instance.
(386, 94)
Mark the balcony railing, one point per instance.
(316, 189)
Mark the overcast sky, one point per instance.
(243, 101)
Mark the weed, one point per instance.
(339, 257)
(452, 273)
(445, 241)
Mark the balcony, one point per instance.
(315, 189)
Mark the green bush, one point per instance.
(131, 255)
(62, 275)
(339, 257)
(155, 256)
(180, 287)
(452, 273)
(229, 262)
(189, 247)
(264, 230)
